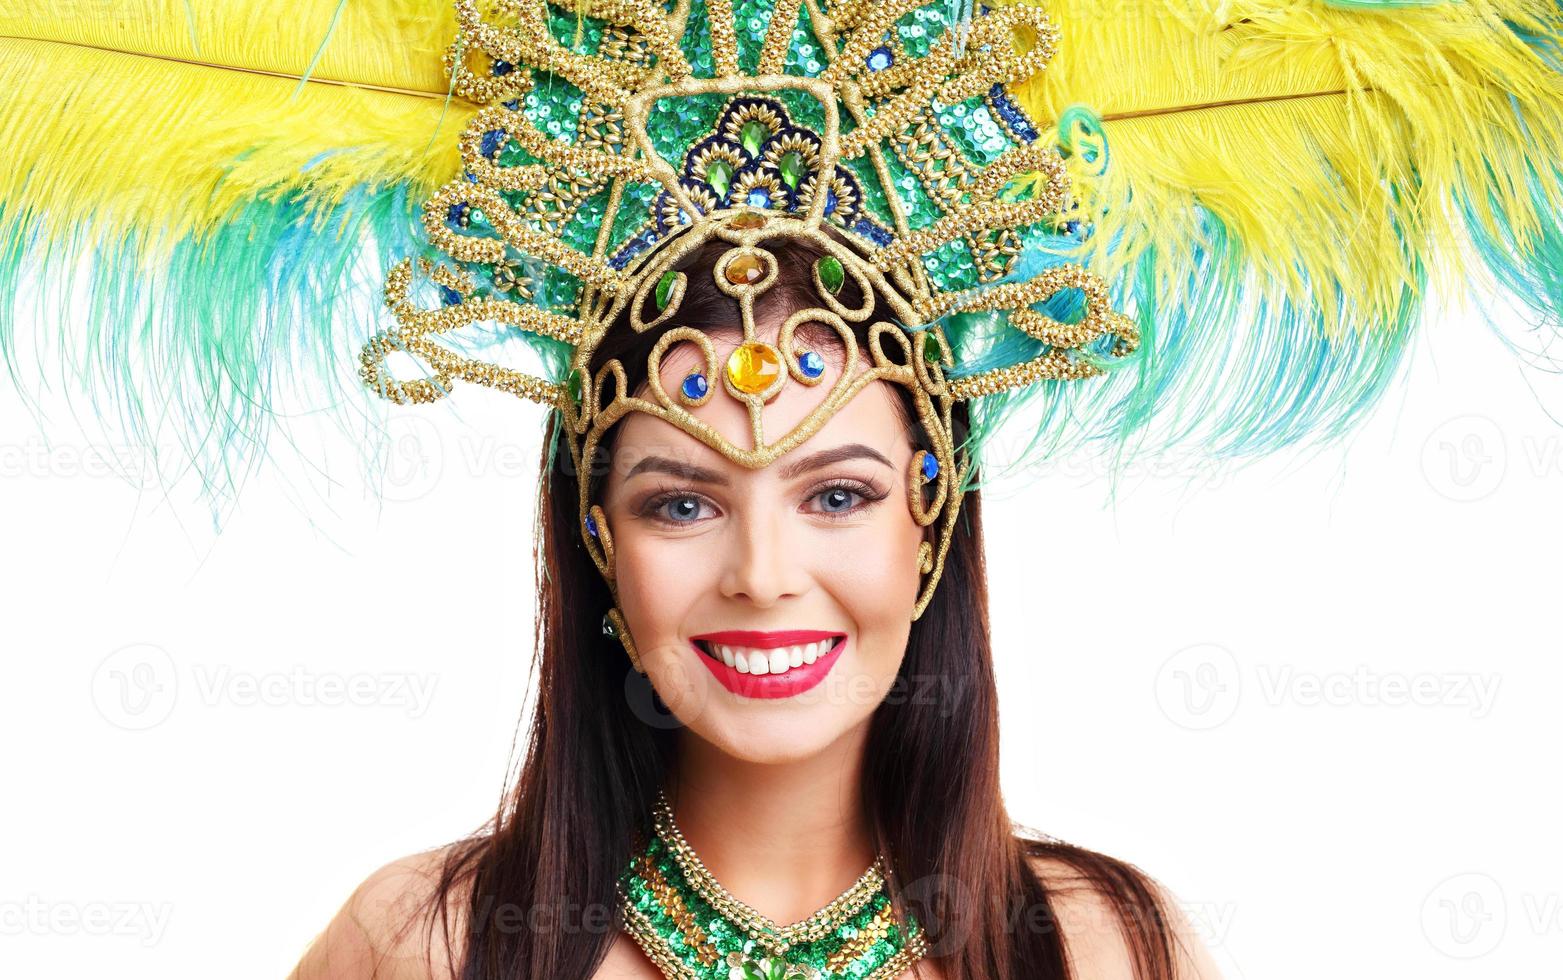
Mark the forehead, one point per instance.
(871, 416)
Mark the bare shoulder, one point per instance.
(382, 931)
(1094, 928)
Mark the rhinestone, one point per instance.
(747, 220)
(665, 288)
(759, 197)
(831, 273)
(930, 466)
(880, 58)
(931, 350)
(753, 366)
(718, 173)
(812, 364)
(792, 168)
(449, 296)
(573, 384)
(752, 135)
(744, 270)
(591, 525)
(695, 386)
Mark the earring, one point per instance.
(613, 625)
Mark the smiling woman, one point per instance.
(765, 772)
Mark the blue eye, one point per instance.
(679, 510)
(841, 496)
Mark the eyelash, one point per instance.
(870, 494)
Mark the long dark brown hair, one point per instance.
(532, 893)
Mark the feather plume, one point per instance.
(200, 182)
(1274, 189)
(1286, 187)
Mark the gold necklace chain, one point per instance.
(757, 926)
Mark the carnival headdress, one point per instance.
(1264, 187)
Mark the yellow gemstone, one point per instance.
(744, 269)
(747, 220)
(752, 367)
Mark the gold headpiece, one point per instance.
(619, 139)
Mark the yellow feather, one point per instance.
(1328, 142)
(157, 114)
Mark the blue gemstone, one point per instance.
(830, 201)
(812, 364)
(871, 231)
(457, 214)
(759, 197)
(472, 178)
(512, 104)
(449, 296)
(930, 467)
(502, 68)
(492, 141)
(695, 386)
(591, 525)
(880, 58)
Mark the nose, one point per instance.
(762, 562)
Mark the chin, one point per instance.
(766, 737)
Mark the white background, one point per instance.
(1316, 697)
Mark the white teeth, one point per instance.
(774, 660)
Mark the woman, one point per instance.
(787, 782)
(1293, 170)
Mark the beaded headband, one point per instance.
(618, 140)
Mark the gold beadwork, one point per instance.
(775, 937)
(890, 116)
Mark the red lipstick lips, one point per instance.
(794, 680)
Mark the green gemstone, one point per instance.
(831, 273)
(718, 174)
(792, 168)
(665, 288)
(752, 135)
(573, 384)
(931, 350)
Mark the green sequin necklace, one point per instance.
(694, 929)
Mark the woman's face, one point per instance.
(817, 550)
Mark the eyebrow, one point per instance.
(691, 471)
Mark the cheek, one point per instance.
(660, 579)
(872, 573)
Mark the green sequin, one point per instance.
(951, 266)
(752, 18)
(577, 32)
